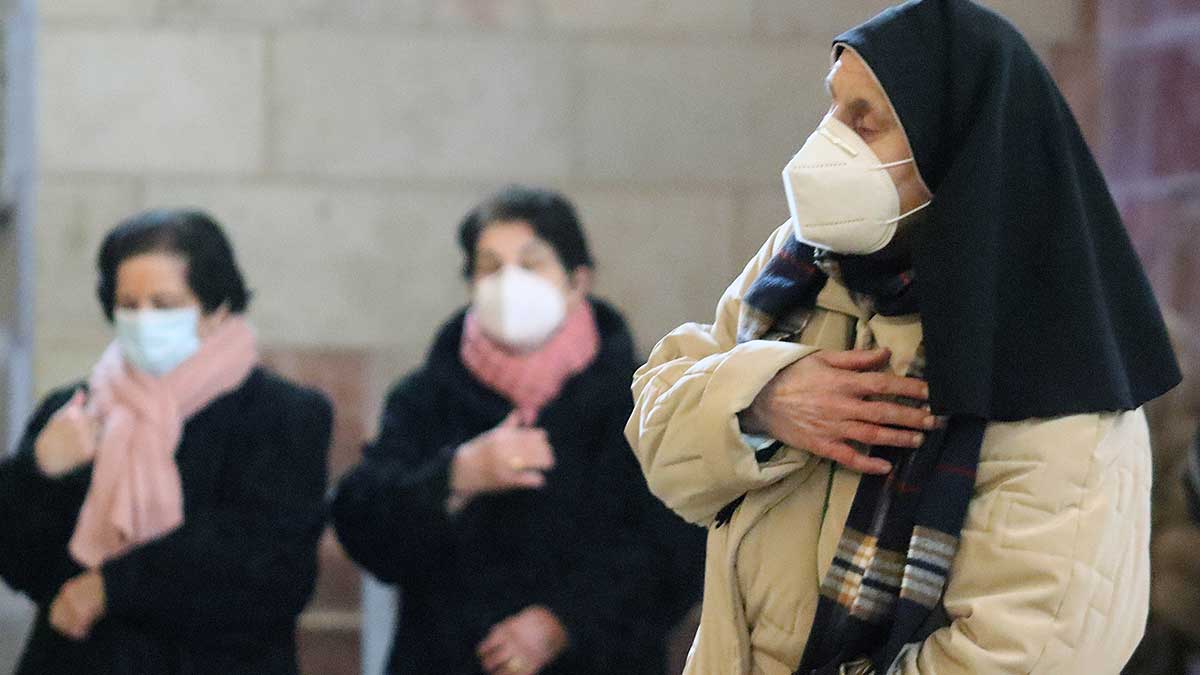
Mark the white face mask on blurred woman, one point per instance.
(840, 195)
(518, 308)
(158, 340)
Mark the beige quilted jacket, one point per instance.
(1053, 571)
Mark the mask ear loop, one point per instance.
(905, 215)
(899, 163)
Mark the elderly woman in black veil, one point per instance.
(915, 428)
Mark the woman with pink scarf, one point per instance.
(164, 514)
(501, 495)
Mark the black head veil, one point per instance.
(1033, 301)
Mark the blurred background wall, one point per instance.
(1144, 110)
(340, 141)
(18, 180)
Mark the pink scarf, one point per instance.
(533, 379)
(136, 494)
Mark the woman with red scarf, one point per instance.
(501, 495)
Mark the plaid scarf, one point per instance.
(884, 587)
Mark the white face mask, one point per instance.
(519, 308)
(840, 194)
(158, 340)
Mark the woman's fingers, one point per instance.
(496, 660)
(537, 455)
(873, 434)
(491, 643)
(65, 619)
(76, 414)
(531, 452)
(830, 399)
(74, 410)
(78, 399)
(493, 662)
(857, 359)
(890, 414)
(500, 653)
(516, 451)
(887, 384)
(57, 619)
(529, 480)
(850, 458)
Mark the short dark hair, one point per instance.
(212, 271)
(550, 214)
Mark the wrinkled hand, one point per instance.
(79, 605)
(69, 439)
(823, 401)
(508, 457)
(524, 643)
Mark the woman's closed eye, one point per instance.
(536, 263)
(487, 264)
(867, 125)
(168, 302)
(163, 301)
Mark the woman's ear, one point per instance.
(210, 321)
(580, 280)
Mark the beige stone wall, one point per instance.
(341, 141)
(16, 612)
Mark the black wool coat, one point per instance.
(593, 545)
(220, 594)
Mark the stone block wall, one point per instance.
(340, 142)
(1148, 56)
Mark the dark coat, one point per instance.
(593, 546)
(218, 595)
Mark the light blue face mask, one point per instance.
(157, 340)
